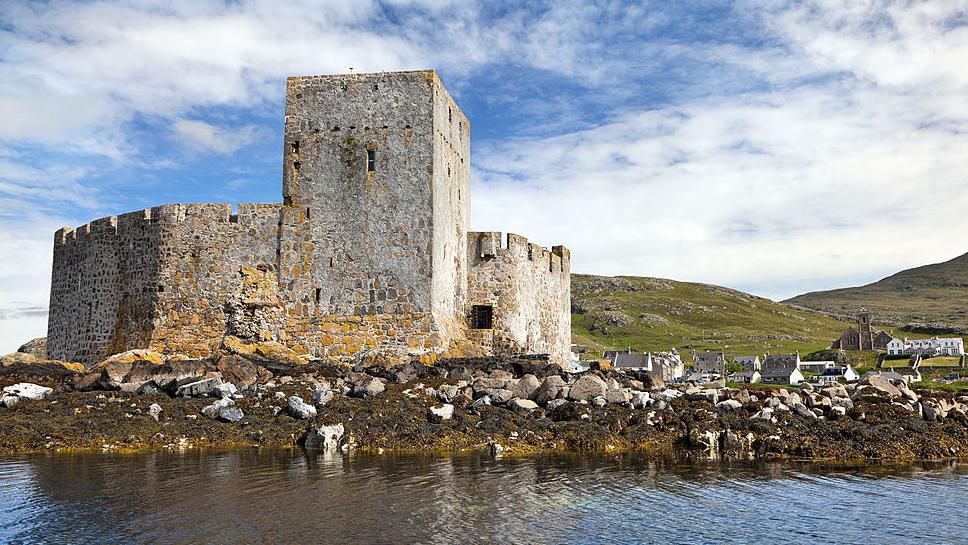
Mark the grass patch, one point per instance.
(941, 361)
(956, 386)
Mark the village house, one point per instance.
(751, 376)
(838, 374)
(953, 346)
(782, 369)
(666, 366)
(748, 363)
(709, 362)
(816, 367)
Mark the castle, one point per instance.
(367, 258)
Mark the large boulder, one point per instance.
(299, 408)
(441, 412)
(882, 385)
(448, 392)
(729, 405)
(28, 391)
(368, 387)
(587, 388)
(271, 351)
(132, 356)
(551, 387)
(325, 438)
(277, 352)
(196, 386)
(212, 410)
(526, 387)
(618, 396)
(36, 348)
(522, 405)
(241, 372)
(498, 396)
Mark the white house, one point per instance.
(838, 374)
(951, 346)
(664, 365)
(748, 363)
(816, 367)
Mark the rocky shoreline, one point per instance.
(138, 401)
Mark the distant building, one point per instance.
(748, 363)
(745, 377)
(710, 362)
(863, 337)
(782, 369)
(935, 347)
(816, 367)
(881, 340)
(632, 362)
(666, 366)
(838, 374)
(610, 354)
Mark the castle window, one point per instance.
(295, 147)
(450, 115)
(370, 160)
(482, 317)
(319, 293)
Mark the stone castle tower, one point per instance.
(368, 256)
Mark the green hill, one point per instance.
(932, 295)
(651, 314)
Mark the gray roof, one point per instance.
(778, 371)
(631, 360)
(781, 360)
(713, 356)
(745, 359)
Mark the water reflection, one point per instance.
(281, 496)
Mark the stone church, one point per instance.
(368, 257)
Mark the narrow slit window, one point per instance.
(319, 293)
(371, 160)
(295, 147)
(482, 317)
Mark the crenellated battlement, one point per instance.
(170, 214)
(486, 245)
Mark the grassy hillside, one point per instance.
(652, 314)
(933, 294)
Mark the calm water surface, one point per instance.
(289, 497)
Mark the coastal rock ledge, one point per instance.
(523, 404)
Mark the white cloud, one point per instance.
(207, 137)
(857, 172)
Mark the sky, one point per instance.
(773, 147)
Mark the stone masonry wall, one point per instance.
(368, 256)
(103, 287)
(371, 231)
(451, 214)
(529, 290)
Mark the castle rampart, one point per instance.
(367, 255)
(527, 289)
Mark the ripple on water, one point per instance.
(267, 496)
